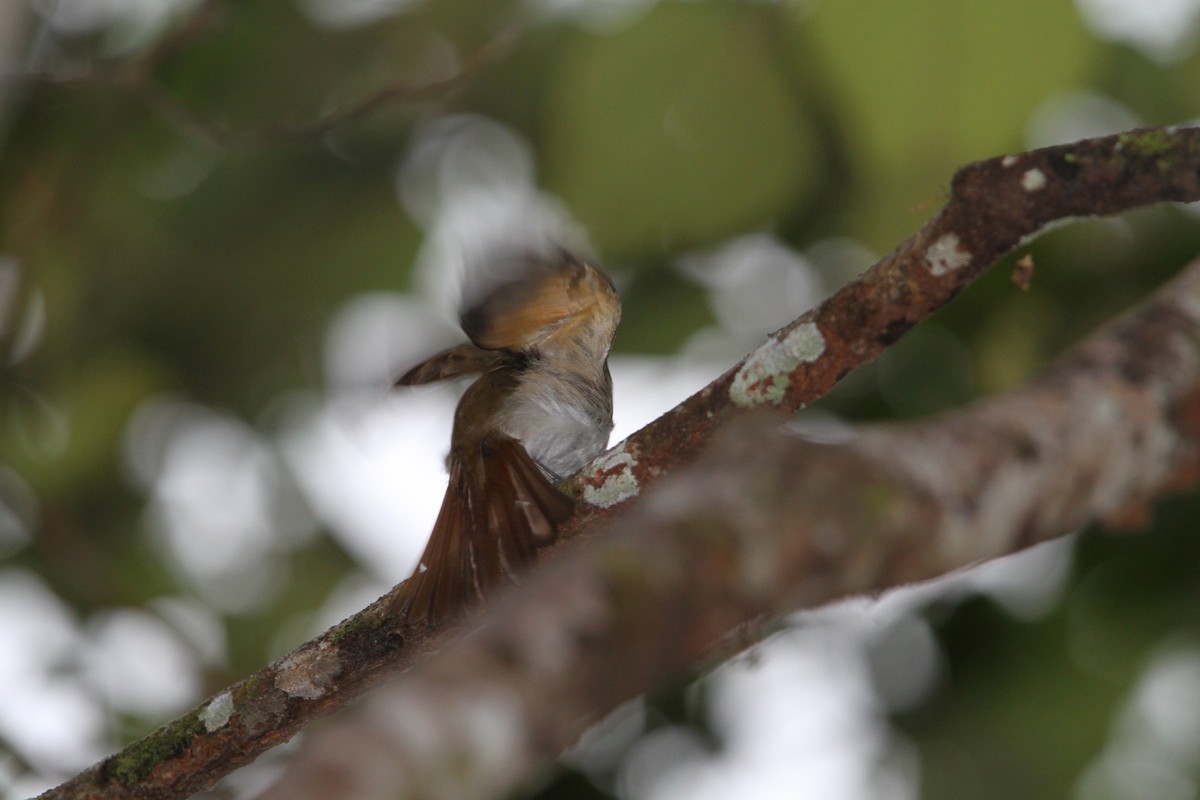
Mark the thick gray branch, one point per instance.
(764, 523)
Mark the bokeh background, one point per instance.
(207, 281)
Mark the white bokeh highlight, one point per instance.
(125, 24)
(755, 285)
(139, 664)
(53, 722)
(797, 717)
(1070, 115)
(1163, 30)
(373, 472)
(219, 507)
(1153, 752)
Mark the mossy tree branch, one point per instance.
(766, 522)
(993, 205)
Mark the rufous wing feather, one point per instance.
(463, 359)
(491, 523)
(442, 582)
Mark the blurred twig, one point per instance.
(136, 78)
(205, 18)
(903, 533)
(487, 55)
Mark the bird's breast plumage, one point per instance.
(562, 420)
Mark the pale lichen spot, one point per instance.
(944, 256)
(309, 672)
(618, 484)
(1008, 161)
(1033, 180)
(766, 375)
(217, 712)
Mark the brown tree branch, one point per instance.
(768, 522)
(993, 205)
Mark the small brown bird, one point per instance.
(540, 409)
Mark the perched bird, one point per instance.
(540, 409)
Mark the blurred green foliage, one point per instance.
(713, 141)
(194, 247)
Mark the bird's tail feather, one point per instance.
(490, 525)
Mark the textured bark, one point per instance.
(993, 205)
(767, 522)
